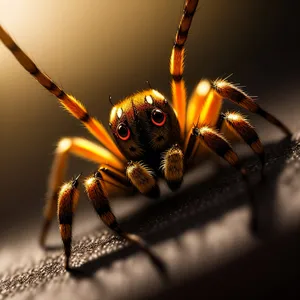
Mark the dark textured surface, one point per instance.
(199, 240)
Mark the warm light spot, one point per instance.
(205, 129)
(149, 99)
(203, 87)
(89, 181)
(175, 112)
(233, 117)
(113, 112)
(64, 188)
(158, 95)
(64, 145)
(119, 112)
(221, 83)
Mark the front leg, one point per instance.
(143, 178)
(96, 191)
(67, 203)
(173, 167)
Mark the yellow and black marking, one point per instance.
(115, 175)
(173, 167)
(203, 110)
(144, 125)
(98, 196)
(216, 143)
(82, 148)
(177, 62)
(237, 96)
(244, 130)
(69, 102)
(67, 203)
(143, 179)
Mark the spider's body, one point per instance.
(150, 126)
(152, 138)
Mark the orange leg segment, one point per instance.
(177, 63)
(69, 102)
(82, 148)
(228, 91)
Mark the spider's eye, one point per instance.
(158, 117)
(123, 132)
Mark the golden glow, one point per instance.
(149, 99)
(179, 103)
(196, 103)
(89, 181)
(233, 116)
(64, 189)
(113, 113)
(158, 95)
(205, 129)
(221, 83)
(95, 152)
(211, 109)
(119, 112)
(203, 88)
(64, 145)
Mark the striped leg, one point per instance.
(67, 203)
(69, 102)
(97, 194)
(82, 148)
(236, 123)
(177, 63)
(237, 96)
(216, 143)
(203, 110)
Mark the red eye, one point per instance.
(158, 117)
(123, 132)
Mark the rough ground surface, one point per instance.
(201, 235)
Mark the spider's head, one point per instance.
(144, 125)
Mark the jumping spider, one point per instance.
(152, 138)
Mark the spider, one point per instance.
(153, 139)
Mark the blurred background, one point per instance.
(94, 49)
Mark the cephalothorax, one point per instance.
(152, 138)
(144, 125)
